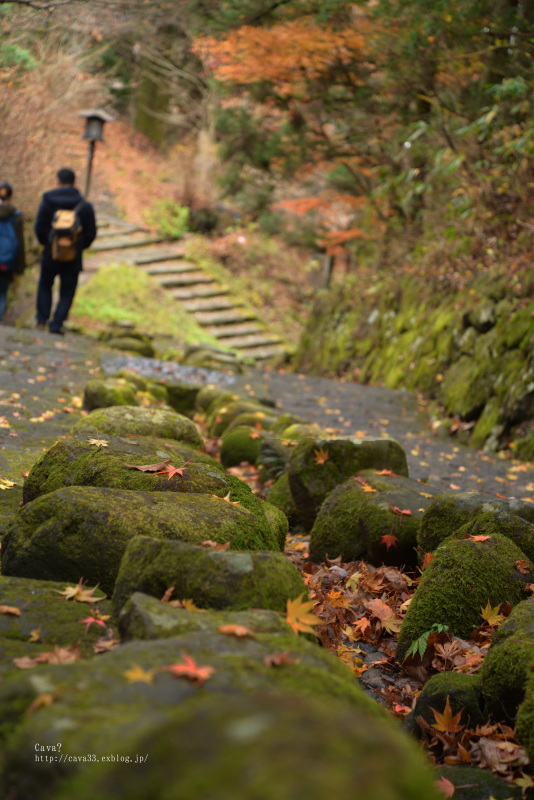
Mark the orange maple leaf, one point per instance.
(236, 630)
(388, 619)
(427, 559)
(447, 722)
(338, 599)
(279, 659)
(320, 456)
(522, 566)
(385, 472)
(479, 538)
(389, 540)
(402, 512)
(171, 471)
(191, 670)
(445, 786)
(299, 616)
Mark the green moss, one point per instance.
(284, 421)
(466, 388)
(110, 392)
(240, 444)
(525, 718)
(211, 578)
(490, 422)
(83, 531)
(220, 417)
(75, 462)
(280, 496)
(125, 420)
(377, 519)
(257, 419)
(131, 345)
(311, 481)
(473, 783)
(455, 586)
(462, 691)
(506, 666)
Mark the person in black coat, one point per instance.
(65, 196)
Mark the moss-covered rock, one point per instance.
(211, 578)
(457, 584)
(46, 620)
(95, 708)
(342, 529)
(525, 717)
(506, 666)
(109, 392)
(238, 445)
(221, 416)
(133, 345)
(75, 462)
(253, 419)
(278, 522)
(280, 496)
(83, 531)
(464, 695)
(298, 431)
(125, 420)
(213, 394)
(317, 466)
(273, 457)
(283, 422)
(449, 512)
(473, 783)
(265, 747)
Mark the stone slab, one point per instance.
(223, 317)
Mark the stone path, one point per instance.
(211, 304)
(42, 381)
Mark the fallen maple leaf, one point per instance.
(215, 546)
(91, 621)
(280, 659)
(445, 786)
(59, 655)
(12, 610)
(149, 467)
(385, 472)
(172, 471)
(447, 722)
(427, 559)
(338, 599)
(320, 456)
(35, 635)
(98, 442)
(137, 674)
(479, 538)
(103, 645)
(524, 782)
(299, 616)
(389, 540)
(79, 594)
(491, 615)
(41, 701)
(402, 512)
(236, 630)
(168, 594)
(191, 670)
(226, 499)
(522, 566)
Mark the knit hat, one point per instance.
(6, 190)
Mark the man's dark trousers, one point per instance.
(68, 275)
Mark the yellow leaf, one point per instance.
(35, 635)
(98, 442)
(190, 606)
(447, 722)
(139, 675)
(525, 782)
(491, 615)
(299, 616)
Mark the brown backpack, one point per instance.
(64, 233)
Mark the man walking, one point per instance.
(57, 259)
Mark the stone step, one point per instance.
(187, 279)
(171, 268)
(121, 244)
(223, 317)
(226, 331)
(245, 342)
(121, 231)
(156, 258)
(208, 304)
(264, 353)
(200, 291)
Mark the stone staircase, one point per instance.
(211, 304)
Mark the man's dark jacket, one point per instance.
(64, 197)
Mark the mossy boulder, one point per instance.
(473, 783)
(273, 457)
(515, 528)
(524, 727)
(103, 707)
(211, 578)
(125, 420)
(317, 466)
(130, 344)
(449, 512)
(278, 522)
(211, 395)
(75, 462)
(260, 420)
(457, 584)
(280, 496)
(467, 387)
(45, 610)
(238, 445)
(506, 666)
(347, 525)
(221, 416)
(464, 695)
(110, 392)
(261, 747)
(284, 420)
(298, 431)
(83, 531)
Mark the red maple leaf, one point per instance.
(169, 470)
(90, 621)
(389, 540)
(191, 670)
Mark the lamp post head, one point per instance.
(94, 123)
